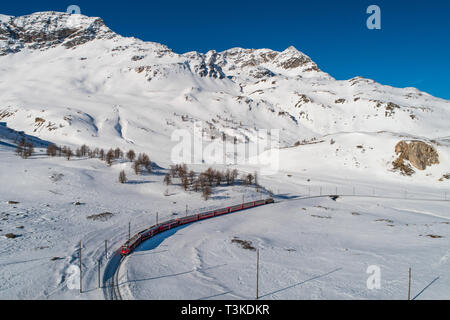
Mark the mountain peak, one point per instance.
(47, 29)
(292, 49)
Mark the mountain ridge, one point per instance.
(74, 76)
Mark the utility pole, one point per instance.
(409, 285)
(81, 274)
(257, 274)
(242, 199)
(156, 218)
(186, 210)
(99, 286)
(106, 249)
(129, 230)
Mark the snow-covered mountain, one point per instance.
(70, 79)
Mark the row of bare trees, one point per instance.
(139, 163)
(206, 180)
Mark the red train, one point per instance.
(138, 238)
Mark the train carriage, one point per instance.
(221, 211)
(248, 205)
(259, 203)
(188, 219)
(168, 225)
(236, 208)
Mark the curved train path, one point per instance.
(111, 284)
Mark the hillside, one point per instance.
(74, 81)
(71, 80)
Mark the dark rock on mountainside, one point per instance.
(418, 153)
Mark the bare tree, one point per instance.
(228, 177)
(84, 150)
(131, 155)
(184, 183)
(20, 147)
(182, 170)
(102, 154)
(109, 157)
(218, 177)
(122, 177)
(146, 163)
(51, 150)
(191, 177)
(174, 170)
(206, 192)
(209, 174)
(118, 154)
(249, 178)
(95, 153)
(68, 153)
(202, 181)
(28, 150)
(196, 185)
(167, 179)
(136, 167)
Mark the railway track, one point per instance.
(111, 275)
(111, 284)
(111, 289)
(297, 198)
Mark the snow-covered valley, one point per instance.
(79, 83)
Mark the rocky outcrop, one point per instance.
(418, 153)
(44, 30)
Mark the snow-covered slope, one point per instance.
(90, 85)
(310, 249)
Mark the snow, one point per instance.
(50, 223)
(5, 18)
(309, 249)
(122, 92)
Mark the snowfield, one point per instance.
(309, 249)
(299, 239)
(81, 83)
(55, 199)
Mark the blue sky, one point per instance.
(411, 49)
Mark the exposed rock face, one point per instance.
(418, 153)
(49, 29)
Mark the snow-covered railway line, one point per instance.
(112, 288)
(111, 277)
(111, 285)
(361, 196)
